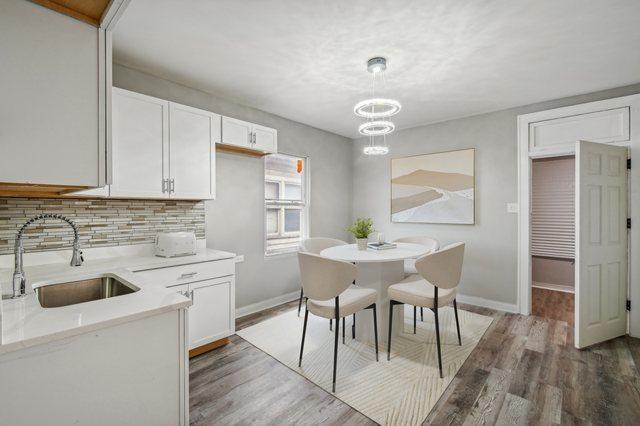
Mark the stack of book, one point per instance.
(381, 246)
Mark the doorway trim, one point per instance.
(525, 157)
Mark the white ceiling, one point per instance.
(305, 60)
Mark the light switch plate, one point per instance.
(512, 207)
(239, 258)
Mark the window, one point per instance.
(285, 199)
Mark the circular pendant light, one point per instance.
(377, 108)
(375, 150)
(376, 128)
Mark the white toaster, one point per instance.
(173, 244)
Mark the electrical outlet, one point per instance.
(512, 207)
(239, 258)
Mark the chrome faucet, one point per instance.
(19, 279)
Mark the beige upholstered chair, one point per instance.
(410, 264)
(315, 246)
(330, 294)
(434, 287)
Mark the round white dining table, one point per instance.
(377, 269)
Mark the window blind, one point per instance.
(553, 207)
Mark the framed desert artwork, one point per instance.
(434, 188)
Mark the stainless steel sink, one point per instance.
(74, 292)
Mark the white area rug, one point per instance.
(398, 392)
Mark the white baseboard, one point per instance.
(266, 304)
(554, 287)
(487, 303)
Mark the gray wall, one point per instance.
(235, 219)
(491, 253)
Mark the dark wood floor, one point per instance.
(525, 370)
(553, 304)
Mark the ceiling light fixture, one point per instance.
(376, 109)
(376, 128)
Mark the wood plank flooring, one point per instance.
(553, 304)
(525, 370)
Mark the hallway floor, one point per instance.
(553, 304)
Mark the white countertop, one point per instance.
(25, 323)
(350, 253)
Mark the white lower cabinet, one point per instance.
(210, 316)
(211, 287)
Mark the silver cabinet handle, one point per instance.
(172, 185)
(250, 137)
(164, 185)
(188, 275)
(192, 296)
(254, 138)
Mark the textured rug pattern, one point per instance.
(397, 392)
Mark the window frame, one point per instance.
(282, 205)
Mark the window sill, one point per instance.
(280, 255)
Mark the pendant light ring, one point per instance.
(377, 108)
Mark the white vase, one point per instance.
(362, 243)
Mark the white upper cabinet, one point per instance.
(236, 132)
(161, 149)
(140, 140)
(52, 76)
(249, 136)
(265, 139)
(193, 134)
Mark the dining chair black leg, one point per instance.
(390, 322)
(304, 332)
(353, 327)
(414, 320)
(335, 345)
(421, 314)
(455, 310)
(300, 301)
(375, 329)
(435, 313)
(344, 320)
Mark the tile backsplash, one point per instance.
(100, 222)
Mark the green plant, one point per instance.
(362, 227)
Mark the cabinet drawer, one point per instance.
(183, 274)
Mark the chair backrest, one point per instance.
(322, 278)
(444, 267)
(316, 245)
(425, 241)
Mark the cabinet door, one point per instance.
(49, 81)
(236, 132)
(265, 139)
(139, 145)
(192, 159)
(211, 316)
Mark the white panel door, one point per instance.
(601, 243)
(140, 145)
(193, 134)
(236, 132)
(211, 316)
(265, 139)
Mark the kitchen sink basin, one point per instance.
(71, 293)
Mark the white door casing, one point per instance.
(192, 137)
(601, 243)
(612, 122)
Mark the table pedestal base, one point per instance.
(379, 276)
